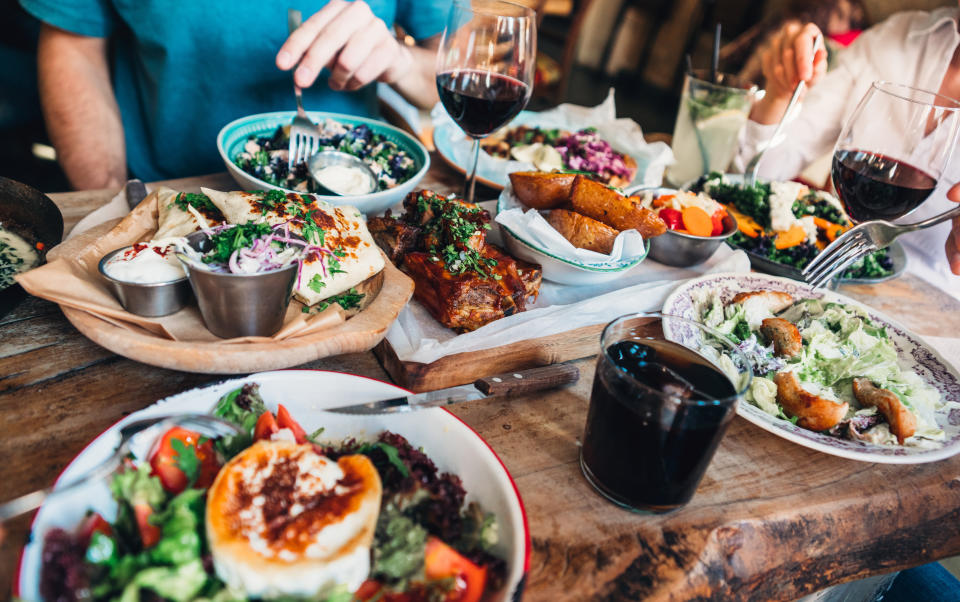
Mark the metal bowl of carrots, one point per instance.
(692, 235)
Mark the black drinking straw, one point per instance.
(716, 55)
(689, 65)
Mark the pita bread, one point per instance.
(350, 256)
(174, 220)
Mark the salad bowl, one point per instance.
(453, 446)
(913, 354)
(234, 135)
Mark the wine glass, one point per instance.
(893, 150)
(485, 68)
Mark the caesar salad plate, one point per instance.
(451, 443)
(912, 351)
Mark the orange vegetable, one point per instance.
(746, 224)
(663, 200)
(831, 229)
(697, 221)
(791, 238)
(441, 562)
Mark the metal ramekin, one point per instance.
(149, 300)
(684, 250)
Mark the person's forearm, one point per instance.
(80, 110)
(419, 86)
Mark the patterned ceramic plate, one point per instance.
(914, 354)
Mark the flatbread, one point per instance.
(175, 221)
(350, 256)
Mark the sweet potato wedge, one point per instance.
(541, 190)
(583, 232)
(612, 208)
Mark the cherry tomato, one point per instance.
(672, 217)
(149, 534)
(717, 219)
(266, 427)
(286, 421)
(93, 523)
(165, 460)
(441, 562)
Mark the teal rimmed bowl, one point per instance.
(234, 135)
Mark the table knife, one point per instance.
(136, 192)
(510, 383)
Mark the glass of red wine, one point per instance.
(893, 150)
(485, 68)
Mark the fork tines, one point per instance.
(845, 250)
(302, 146)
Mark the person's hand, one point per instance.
(953, 241)
(351, 41)
(788, 59)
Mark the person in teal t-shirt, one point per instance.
(143, 86)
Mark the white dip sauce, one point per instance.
(145, 263)
(344, 180)
(16, 255)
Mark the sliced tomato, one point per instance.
(266, 427)
(717, 219)
(149, 534)
(441, 562)
(286, 421)
(165, 461)
(93, 523)
(373, 590)
(672, 217)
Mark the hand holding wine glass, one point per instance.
(485, 68)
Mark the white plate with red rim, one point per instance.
(914, 354)
(449, 442)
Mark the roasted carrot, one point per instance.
(697, 221)
(791, 238)
(829, 228)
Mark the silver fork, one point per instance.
(861, 240)
(304, 133)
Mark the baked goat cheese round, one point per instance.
(285, 520)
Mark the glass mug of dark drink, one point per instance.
(664, 392)
(893, 150)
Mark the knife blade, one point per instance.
(136, 192)
(510, 383)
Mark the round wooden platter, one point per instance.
(359, 333)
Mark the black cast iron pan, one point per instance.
(31, 214)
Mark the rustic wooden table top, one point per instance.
(771, 519)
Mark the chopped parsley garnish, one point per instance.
(241, 236)
(272, 198)
(316, 283)
(187, 460)
(348, 300)
(456, 224)
(200, 202)
(335, 267)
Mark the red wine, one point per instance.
(480, 101)
(874, 186)
(647, 446)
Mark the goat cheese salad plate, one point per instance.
(300, 505)
(830, 373)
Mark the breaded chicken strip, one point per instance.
(762, 304)
(903, 424)
(787, 341)
(812, 412)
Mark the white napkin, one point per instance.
(116, 208)
(625, 135)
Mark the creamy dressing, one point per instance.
(145, 263)
(16, 255)
(345, 180)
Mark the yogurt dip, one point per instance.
(345, 180)
(145, 263)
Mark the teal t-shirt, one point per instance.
(183, 70)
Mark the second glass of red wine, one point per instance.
(893, 150)
(663, 396)
(485, 68)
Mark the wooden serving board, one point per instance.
(462, 368)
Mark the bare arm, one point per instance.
(79, 108)
(359, 48)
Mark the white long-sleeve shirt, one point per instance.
(912, 48)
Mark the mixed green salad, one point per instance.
(788, 223)
(428, 545)
(839, 344)
(267, 157)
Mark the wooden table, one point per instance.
(771, 520)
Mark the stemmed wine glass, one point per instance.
(893, 150)
(485, 68)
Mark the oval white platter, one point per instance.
(913, 352)
(450, 443)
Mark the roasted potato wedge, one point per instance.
(583, 232)
(612, 208)
(541, 190)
